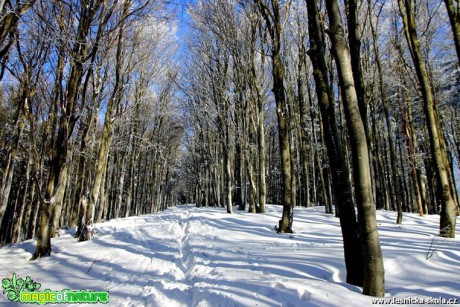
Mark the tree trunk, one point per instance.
(252, 190)
(339, 169)
(12, 151)
(445, 190)
(154, 185)
(261, 153)
(131, 165)
(454, 17)
(107, 131)
(354, 40)
(412, 144)
(57, 180)
(273, 19)
(83, 164)
(67, 99)
(259, 109)
(102, 200)
(372, 255)
(60, 192)
(28, 214)
(228, 170)
(313, 160)
(391, 142)
(302, 126)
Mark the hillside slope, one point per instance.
(187, 256)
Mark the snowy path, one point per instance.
(186, 256)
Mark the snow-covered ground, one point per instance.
(187, 256)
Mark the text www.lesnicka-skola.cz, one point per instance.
(414, 300)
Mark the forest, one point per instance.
(118, 108)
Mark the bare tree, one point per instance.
(453, 10)
(272, 14)
(342, 187)
(372, 254)
(10, 13)
(437, 141)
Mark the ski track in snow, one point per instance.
(187, 256)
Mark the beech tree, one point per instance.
(69, 111)
(453, 10)
(10, 13)
(272, 12)
(339, 169)
(445, 189)
(372, 254)
(341, 104)
(59, 86)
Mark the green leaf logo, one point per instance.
(14, 286)
(6, 283)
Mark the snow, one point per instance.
(188, 256)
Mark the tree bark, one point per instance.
(107, 131)
(372, 255)
(445, 190)
(273, 20)
(12, 151)
(259, 109)
(339, 169)
(354, 41)
(454, 17)
(395, 173)
(228, 170)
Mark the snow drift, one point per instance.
(187, 256)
